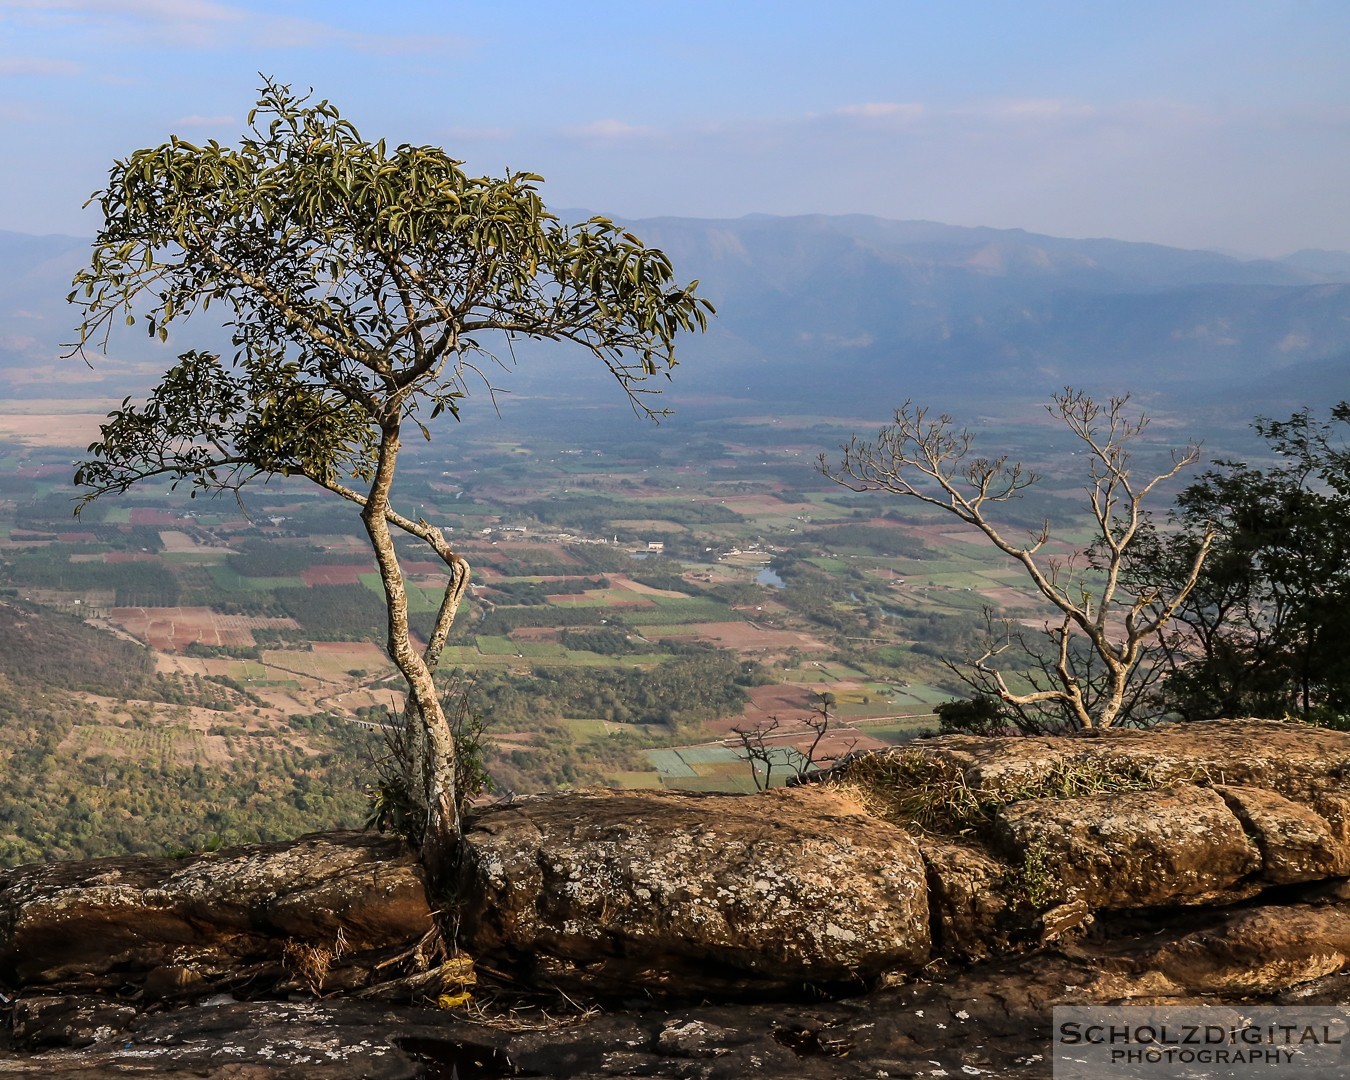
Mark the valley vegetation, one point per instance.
(257, 711)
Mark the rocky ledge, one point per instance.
(934, 902)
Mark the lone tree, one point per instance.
(1102, 628)
(362, 286)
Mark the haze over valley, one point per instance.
(854, 315)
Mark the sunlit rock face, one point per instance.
(696, 892)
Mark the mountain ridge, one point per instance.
(843, 309)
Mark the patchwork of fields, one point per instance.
(620, 628)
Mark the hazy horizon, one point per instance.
(1211, 125)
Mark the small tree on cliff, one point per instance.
(1264, 631)
(1101, 628)
(362, 284)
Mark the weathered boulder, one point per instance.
(1181, 814)
(693, 893)
(309, 908)
(1255, 951)
(1297, 843)
(1133, 849)
(1295, 760)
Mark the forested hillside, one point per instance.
(102, 755)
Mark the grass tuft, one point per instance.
(914, 788)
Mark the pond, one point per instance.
(768, 577)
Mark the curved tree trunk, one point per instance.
(431, 779)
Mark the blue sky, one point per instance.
(1193, 123)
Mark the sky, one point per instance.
(1191, 123)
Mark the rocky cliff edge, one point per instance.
(965, 883)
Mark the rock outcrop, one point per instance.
(969, 884)
(1028, 838)
(695, 894)
(322, 912)
(950, 848)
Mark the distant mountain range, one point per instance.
(853, 314)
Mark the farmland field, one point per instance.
(172, 629)
(618, 607)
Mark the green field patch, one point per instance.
(582, 729)
(924, 695)
(855, 706)
(804, 676)
(460, 655)
(833, 566)
(247, 670)
(419, 600)
(549, 649)
(499, 646)
(331, 663)
(707, 755)
(213, 555)
(669, 764)
(600, 598)
(962, 579)
(230, 580)
(897, 731)
(841, 672)
(691, 609)
(912, 698)
(845, 699)
(702, 768)
(727, 770)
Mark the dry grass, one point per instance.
(310, 963)
(913, 788)
(516, 1012)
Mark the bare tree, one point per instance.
(756, 741)
(1098, 621)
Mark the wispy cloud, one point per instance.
(998, 111)
(206, 24)
(609, 129)
(1033, 109)
(37, 65)
(888, 110)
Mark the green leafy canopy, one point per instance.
(362, 286)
